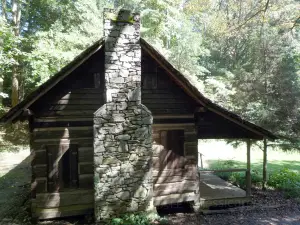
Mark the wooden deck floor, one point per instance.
(215, 191)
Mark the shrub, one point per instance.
(287, 181)
(284, 179)
(236, 178)
(137, 219)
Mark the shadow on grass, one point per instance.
(14, 193)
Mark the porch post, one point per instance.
(248, 173)
(265, 165)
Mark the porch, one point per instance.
(202, 187)
(215, 191)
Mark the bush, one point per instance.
(137, 219)
(284, 179)
(287, 181)
(236, 178)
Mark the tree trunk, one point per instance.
(14, 89)
(1, 90)
(3, 10)
(16, 16)
(264, 184)
(16, 19)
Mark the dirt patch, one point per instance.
(267, 208)
(15, 175)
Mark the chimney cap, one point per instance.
(121, 15)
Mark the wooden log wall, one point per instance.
(179, 184)
(160, 93)
(210, 125)
(63, 121)
(62, 126)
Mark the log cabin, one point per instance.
(117, 129)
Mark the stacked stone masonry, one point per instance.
(122, 127)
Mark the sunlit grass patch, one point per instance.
(283, 168)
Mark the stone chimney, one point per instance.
(122, 127)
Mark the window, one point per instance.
(62, 170)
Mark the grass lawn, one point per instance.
(283, 167)
(218, 152)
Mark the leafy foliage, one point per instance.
(245, 55)
(286, 180)
(237, 178)
(137, 219)
(283, 179)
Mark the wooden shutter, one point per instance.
(73, 166)
(53, 169)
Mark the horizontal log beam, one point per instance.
(40, 170)
(80, 113)
(184, 173)
(179, 187)
(66, 198)
(171, 179)
(174, 198)
(66, 211)
(85, 154)
(54, 141)
(46, 129)
(86, 181)
(55, 119)
(168, 116)
(223, 170)
(86, 168)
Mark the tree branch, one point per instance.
(266, 6)
(296, 22)
(251, 17)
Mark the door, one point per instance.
(172, 153)
(173, 182)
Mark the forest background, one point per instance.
(244, 55)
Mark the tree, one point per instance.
(254, 56)
(14, 20)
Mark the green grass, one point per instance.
(257, 166)
(138, 219)
(283, 168)
(215, 152)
